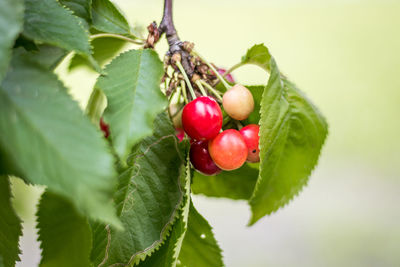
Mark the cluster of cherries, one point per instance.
(212, 149)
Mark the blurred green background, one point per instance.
(345, 55)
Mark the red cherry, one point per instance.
(228, 77)
(180, 134)
(250, 136)
(105, 128)
(201, 160)
(228, 150)
(202, 118)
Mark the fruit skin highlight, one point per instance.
(201, 159)
(202, 118)
(228, 150)
(251, 138)
(238, 102)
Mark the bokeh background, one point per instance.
(345, 55)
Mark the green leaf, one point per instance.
(148, 199)
(132, 88)
(199, 248)
(46, 55)
(237, 184)
(11, 21)
(64, 233)
(104, 49)
(51, 142)
(106, 17)
(50, 23)
(292, 133)
(81, 8)
(257, 55)
(10, 226)
(257, 92)
(167, 254)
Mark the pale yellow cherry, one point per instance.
(238, 102)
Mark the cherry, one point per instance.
(228, 150)
(228, 77)
(201, 160)
(238, 102)
(180, 134)
(105, 128)
(202, 118)
(251, 138)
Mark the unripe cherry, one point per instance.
(105, 128)
(238, 102)
(202, 118)
(201, 159)
(228, 150)
(251, 138)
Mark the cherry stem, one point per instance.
(227, 86)
(180, 67)
(183, 85)
(175, 45)
(203, 92)
(234, 67)
(212, 90)
(116, 36)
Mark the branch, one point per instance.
(175, 44)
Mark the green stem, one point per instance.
(95, 106)
(184, 92)
(116, 36)
(227, 86)
(180, 67)
(212, 90)
(203, 92)
(234, 67)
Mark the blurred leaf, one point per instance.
(64, 233)
(257, 55)
(104, 49)
(50, 142)
(148, 199)
(168, 253)
(46, 55)
(50, 23)
(10, 226)
(81, 8)
(199, 248)
(11, 17)
(237, 184)
(106, 17)
(134, 98)
(292, 132)
(257, 92)
(26, 43)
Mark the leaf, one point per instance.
(167, 254)
(64, 233)
(50, 23)
(199, 248)
(132, 88)
(106, 17)
(256, 91)
(104, 49)
(292, 133)
(11, 17)
(257, 55)
(46, 55)
(148, 199)
(81, 8)
(237, 184)
(49, 141)
(10, 226)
